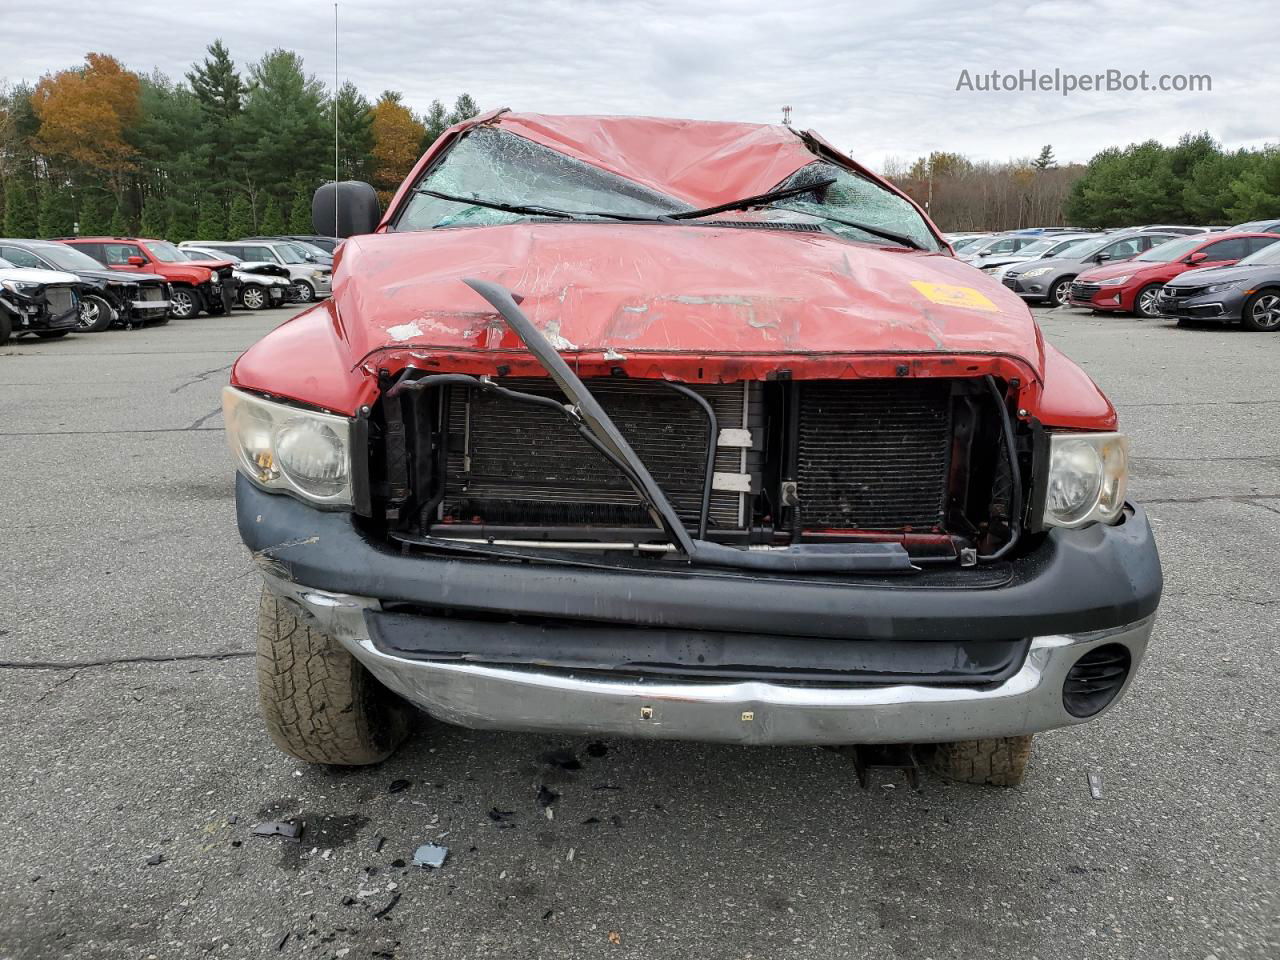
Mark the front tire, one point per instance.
(1261, 312)
(306, 292)
(253, 296)
(1144, 304)
(1000, 761)
(185, 303)
(320, 704)
(95, 315)
(1059, 291)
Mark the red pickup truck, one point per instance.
(196, 287)
(663, 428)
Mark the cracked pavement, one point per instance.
(130, 730)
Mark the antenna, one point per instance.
(335, 116)
(786, 116)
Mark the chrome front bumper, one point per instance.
(745, 712)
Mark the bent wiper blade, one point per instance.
(899, 238)
(759, 200)
(534, 210)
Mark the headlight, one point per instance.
(317, 274)
(1114, 281)
(1088, 473)
(288, 449)
(1037, 272)
(1220, 287)
(20, 288)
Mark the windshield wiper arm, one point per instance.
(533, 209)
(759, 200)
(899, 238)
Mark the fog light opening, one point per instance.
(1096, 679)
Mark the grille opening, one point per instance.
(919, 460)
(1095, 679)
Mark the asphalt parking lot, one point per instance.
(131, 734)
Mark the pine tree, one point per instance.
(300, 209)
(154, 217)
(464, 108)
(20, 214)
(221, 93)
(355, 133)
(95, 213)
(283, 129)
(57, 216)
(272, 219)
(119, 221)
(182, 223)
(435, 120)
(240, 218)
(1045, 161)
(212, 222)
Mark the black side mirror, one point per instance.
(1103, 256)
(345, 209)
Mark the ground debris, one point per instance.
(1095, 784)
(430, 855)
(546, 796)
(615, 937)
(279, 828)
(596, 749)
(386, 908)
(155, 860)
(564, 759)
(398, 785)
(500, 816)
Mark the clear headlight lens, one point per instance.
(1220, 287)
(1037, 272)
(1114, 281)
(19, 287)
(289, 450)
(1088, 473)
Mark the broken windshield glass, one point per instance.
(497, 166)
(852, 198)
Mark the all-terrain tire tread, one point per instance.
(1000, 761)
(320, 704)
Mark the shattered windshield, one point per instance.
(854, 200)
(497, 166)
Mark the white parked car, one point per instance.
(261, 284)
(310, 281)
(43, 302)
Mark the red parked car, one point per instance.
(1132, 286)
(666, 428)
(195, 287)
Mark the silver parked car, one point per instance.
(310, 281)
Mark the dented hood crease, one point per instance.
(656, 289)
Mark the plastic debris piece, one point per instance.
(564, 759)
(279, 828)
(386, 908)
(545, 796)
(283, 939)
(397, 863)
(430, 855)
(596, 749)
(615, 937)
(155, 860)
(590, 821)
(548, 915)
(396, 786)
(551, 814)
(377, 843)
(605, 786)
(498, 816)
(1095, 784)
(348, 901)
(569, 856)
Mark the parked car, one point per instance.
(1049, 280)
(193, 287)
(326, 244)
(1133, 286)
(44, 303)
(106, 297)
(310, 282)
(260, 285)
(1181, 229)
(959, 241)
(535, 468)
(1043, 247)
(309, 251)
(1256, 226)
(1248, 292)
(999, 244)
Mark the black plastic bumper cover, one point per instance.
(1075, 581)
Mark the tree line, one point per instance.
(219, 153)
(1195, 181)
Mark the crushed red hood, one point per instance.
(626, 292)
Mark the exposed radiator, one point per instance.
(874, 455)
(61, 300)
(516, 463)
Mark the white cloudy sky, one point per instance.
(878, 79)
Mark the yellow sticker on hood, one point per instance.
(953, 296)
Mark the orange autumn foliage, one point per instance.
(397, 140)
(85, 113)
